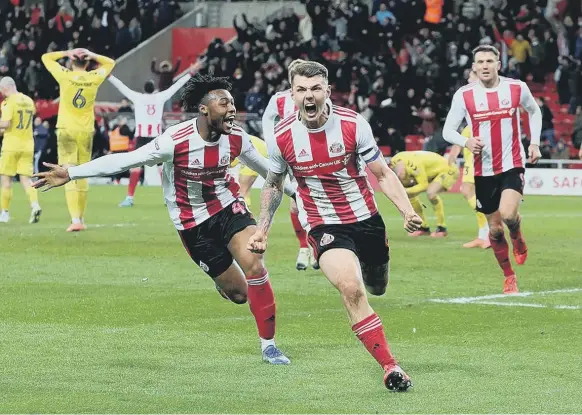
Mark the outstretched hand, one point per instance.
(55, 177)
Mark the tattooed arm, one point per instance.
(271, 197)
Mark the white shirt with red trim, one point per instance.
(149, 108)
(281, 105)
(329, 165)
(493, 115)
(196, 180)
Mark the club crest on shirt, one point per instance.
(224, 160)
(505, 102)
(336, 148)
(326, 239)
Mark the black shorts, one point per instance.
(142, 141)
(488, 189)
(207, 243)
(367, 239)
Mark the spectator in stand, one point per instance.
(41, 136)
(547, 122)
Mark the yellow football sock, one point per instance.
(72, 196)
(439, 210)
(481, 218)
(417, 205)
(6, 197)
(83, 193)
(32, 195)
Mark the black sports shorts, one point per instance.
(488, 189)
(207, 243)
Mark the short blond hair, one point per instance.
(308, 69)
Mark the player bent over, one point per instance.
(202, 198)
(491, 108)
(425, 171)
(327, 148)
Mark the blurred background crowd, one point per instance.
(397, 62)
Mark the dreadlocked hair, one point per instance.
(198, 87)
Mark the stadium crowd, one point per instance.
(386, 62)
(108, 27)
(397, 69)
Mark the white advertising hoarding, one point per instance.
(564, 182)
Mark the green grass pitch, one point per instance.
(118, 319)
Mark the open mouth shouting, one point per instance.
(311, 110)
(228, 123)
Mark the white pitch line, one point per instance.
(466, 300)
(511, 304)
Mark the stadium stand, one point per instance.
(399, 70)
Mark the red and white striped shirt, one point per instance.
(149, 108)
(329, 165)
(281, 105)
(493, 115)
(196, 180)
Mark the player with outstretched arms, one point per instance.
(76, 119)
(149, 109)
(327, 149)
(491, 108)
(280, 106)
(202, 197)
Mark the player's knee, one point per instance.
(375, 278)
(432, 196)
(254, 269)
(508, 216)
(352, 293)
(237, 296)
(495, 231)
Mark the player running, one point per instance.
(76, 118)
(280, 106)
(327, 148)
(17, 148)
(425, 171)
(149, 109)
(203, 198)
(491, 107)
(246, 175)
(468, 185)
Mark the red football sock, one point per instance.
(299, 231)
(133, 181)
(262, 304)
(501, 251)
(371, 334)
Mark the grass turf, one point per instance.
(118, 319)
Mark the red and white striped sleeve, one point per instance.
(366, 146)
(277, 163)
(268, 119)
(455, 117)
(528, 102)
(158, 151)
